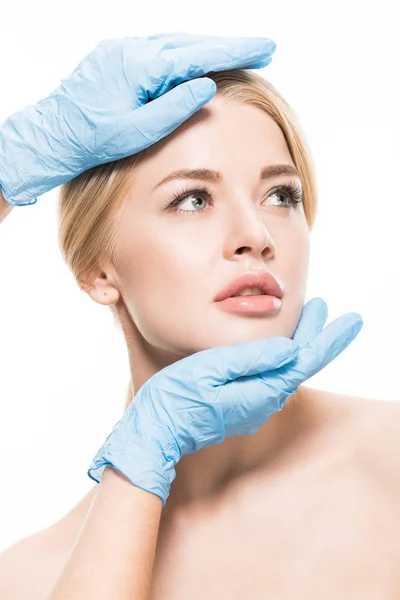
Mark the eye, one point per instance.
(287, 197)
(292, 191)
(195, 196)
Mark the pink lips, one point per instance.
(261, 305)
(260, 279)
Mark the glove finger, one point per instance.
(325, 347)
(227, 363)
(248, 402)
(312, 321)
(252, 358)
(151, 122)
(217, 54)
(261, 64)
(189, 60)
(193, 38)
(165, 34)
(179, 39)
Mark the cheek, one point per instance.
(166, 289)
(293, 254)
(297, 238)
(163, 267)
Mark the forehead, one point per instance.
(222, 135)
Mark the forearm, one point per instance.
(113, 555)
(5, 207)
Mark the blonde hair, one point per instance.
(88, 203)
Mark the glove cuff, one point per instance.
(25, 174)
(19, 163)
(144, 462)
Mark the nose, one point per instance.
(247, 232)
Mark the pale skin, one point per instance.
(305, 508)
(5, 207)
(171, 265)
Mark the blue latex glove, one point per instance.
(217, 393)
(102, 113)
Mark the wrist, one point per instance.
(117, 484)
(5, 207)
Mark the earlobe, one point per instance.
(102, 291)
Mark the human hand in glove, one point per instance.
(216, 393)
(102, 111)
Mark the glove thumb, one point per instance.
(159, 117)
(250, 358)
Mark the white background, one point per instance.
(64, 366)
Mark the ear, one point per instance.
(103, 290)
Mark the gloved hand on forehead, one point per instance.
(217, 393)
(102, 111)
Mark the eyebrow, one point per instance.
(216, 177)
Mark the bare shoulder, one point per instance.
(370, 430)
(29, 568)
(374, 425)
(380, 448)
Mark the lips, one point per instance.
(260, 279)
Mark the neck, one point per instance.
(276, 445)
(202, 474)
(280, 444)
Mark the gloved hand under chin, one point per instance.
(216, 393)
(101, 112)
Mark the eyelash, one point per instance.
(293, 190)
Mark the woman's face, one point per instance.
(170, 265)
